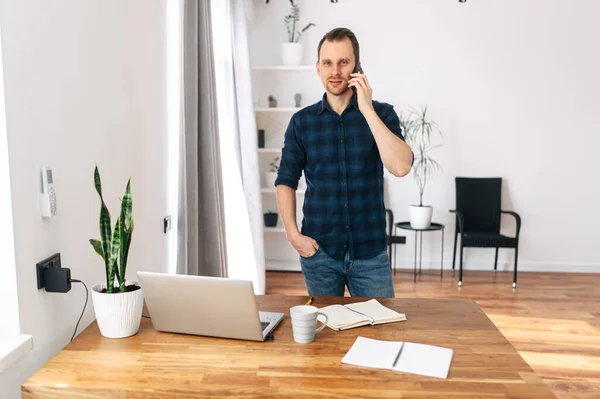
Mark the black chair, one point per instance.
(392, 239)
(478, 212)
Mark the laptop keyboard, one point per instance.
(264, 324)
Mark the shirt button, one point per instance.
(343, 183)
(341, 162)
(345, 205)
(341, 141)
(346, 226)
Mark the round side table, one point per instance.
(419, 233)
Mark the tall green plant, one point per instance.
(126, 226)
(114, 244)
(290, 23)
(418, 129)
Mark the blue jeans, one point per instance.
(369, 278)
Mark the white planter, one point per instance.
(291, 53)
(270, 178)
(118, 315)
(420, 216)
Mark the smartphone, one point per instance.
(357, 69)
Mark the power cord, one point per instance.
(84, 306)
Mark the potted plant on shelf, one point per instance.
(118, 308)
(271, 174)
(291, 51)
(418, 129)
(272, 102)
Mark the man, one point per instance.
(341, 143)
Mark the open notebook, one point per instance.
(343, 317)
(407, 357)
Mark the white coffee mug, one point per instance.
(304, 323)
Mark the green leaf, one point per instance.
(116, 242)
(97, 247)
(126, 207)
(125, 244)
(97, 182)
(114, 252)
(105, 230)
(308, 26)
(127, 226)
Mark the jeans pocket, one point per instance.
(312, 256)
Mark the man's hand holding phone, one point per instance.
(306, 246)
(362, 88)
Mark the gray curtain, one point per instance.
(201, 247)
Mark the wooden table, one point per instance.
(163, 365)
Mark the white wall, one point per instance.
(515, 88)
(9, 312)
(85, 83)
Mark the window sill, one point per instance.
(13, 348)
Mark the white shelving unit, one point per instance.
(269, 151)
(279, 254)
(274, 191)
(274, 229)
(277, 109)
(283, 68)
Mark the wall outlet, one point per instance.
(51, 262)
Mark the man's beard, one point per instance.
(338, 89)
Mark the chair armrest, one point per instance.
(517, 219)
(461, 220)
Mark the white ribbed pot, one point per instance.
(270, 178)
(291, 53)
(118, 315)
(420, 216)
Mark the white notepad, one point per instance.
(343, 317)
(407, 357)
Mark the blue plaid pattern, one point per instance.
(343, 204)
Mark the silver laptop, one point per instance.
(212, 306)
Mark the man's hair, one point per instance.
(337, 35)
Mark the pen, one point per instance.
(310, 301)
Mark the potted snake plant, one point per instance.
(291, 50)
(271, 174)
(118, 307)
(417, 130)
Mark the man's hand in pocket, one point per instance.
(305, 245)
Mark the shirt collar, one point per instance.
(324, 105)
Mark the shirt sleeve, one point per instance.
(293, 158)
(392, 121)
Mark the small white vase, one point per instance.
(270, 178)
(420, 217)
(118, 314)
(291, 53)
